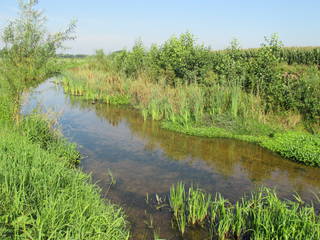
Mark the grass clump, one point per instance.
(198, 205)
(42, 131)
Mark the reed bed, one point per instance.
(184, 103)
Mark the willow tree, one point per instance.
(29, 50)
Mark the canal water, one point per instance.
(143, 160)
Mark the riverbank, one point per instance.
(42, 193)
(263, 97)
(181, 110)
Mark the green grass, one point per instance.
(42, 198)
(39, 129)
(261, 215)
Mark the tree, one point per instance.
(29, 52)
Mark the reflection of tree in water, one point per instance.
(113, 116)
(226, 157)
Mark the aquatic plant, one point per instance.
(178, 205)
(262, 215)
(297, 146)
(198, 205)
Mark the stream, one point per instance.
(146, 160)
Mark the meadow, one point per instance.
(266, 95)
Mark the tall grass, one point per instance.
(97, 85)
(198, 205)
(184, 103)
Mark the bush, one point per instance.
(189, 62)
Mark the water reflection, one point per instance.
(228, 158)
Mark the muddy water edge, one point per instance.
(146, 160)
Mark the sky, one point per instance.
(116, 24)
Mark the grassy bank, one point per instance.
(257, 98)
(261, 215)
(42, 194)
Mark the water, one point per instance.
(145, 159)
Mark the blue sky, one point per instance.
(117, 24)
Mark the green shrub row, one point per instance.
(290, 55)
